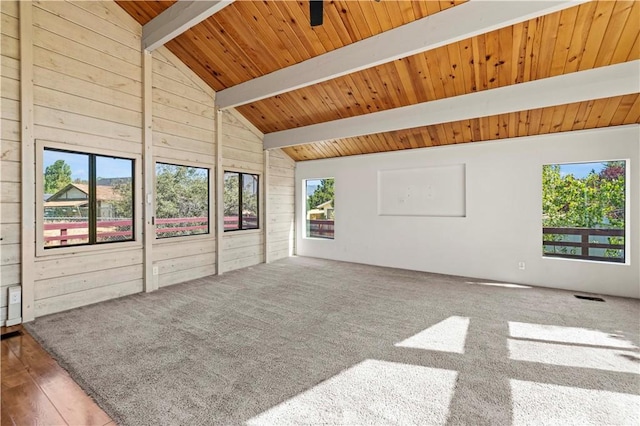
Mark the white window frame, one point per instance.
(304, 210)
(627, 212)
(41, 145)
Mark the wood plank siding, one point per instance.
(88, 94)
(10, 152)
(184, 134)
(281, 209)
(242, 152)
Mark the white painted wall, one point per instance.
(503, 222)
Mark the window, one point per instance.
(320, 207)
(88, 198)
(240, 201)
(583, 210)
(182, 200)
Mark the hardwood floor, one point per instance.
(36, 390)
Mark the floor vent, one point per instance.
(595, 299)
(11, 334)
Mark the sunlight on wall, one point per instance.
(446, 336)
(371, 392)
(554, 333)
(575, 356)
(541, 403)
(505, 285)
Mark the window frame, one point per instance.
(211, 229)
(304, 209)
(259, 213)
(627, 213)
(107, 246)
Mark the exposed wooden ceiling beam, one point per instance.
(177, 19)
(457, 23)
(604, 82)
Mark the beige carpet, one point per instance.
(309, 341)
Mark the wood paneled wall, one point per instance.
(9, 152)
(88, 94)
(281, 209)
(242, 152)
(183, 132)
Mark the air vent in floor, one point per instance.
(595, 299)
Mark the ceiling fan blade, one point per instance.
(315, 10)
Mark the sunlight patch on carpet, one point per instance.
(541, 403)
(371, 392)
(575, 356)
(449, 335)
(503, 285)
(578, 335)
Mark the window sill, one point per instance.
(183, 238)
(232, 233)
(318, 239)
(601, 262)
(61, 252)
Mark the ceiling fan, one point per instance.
(316, 13)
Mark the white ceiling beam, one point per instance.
(454, 24)
(597, 83)
(177, 19)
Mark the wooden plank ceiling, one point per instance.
(249, 39)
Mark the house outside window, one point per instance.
(88, 199)
(320, 208)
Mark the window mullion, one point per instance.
(92, 200)
(133, 200)
(240, 183)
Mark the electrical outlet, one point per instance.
(521, 266)
(155, 270)
(14, 298)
